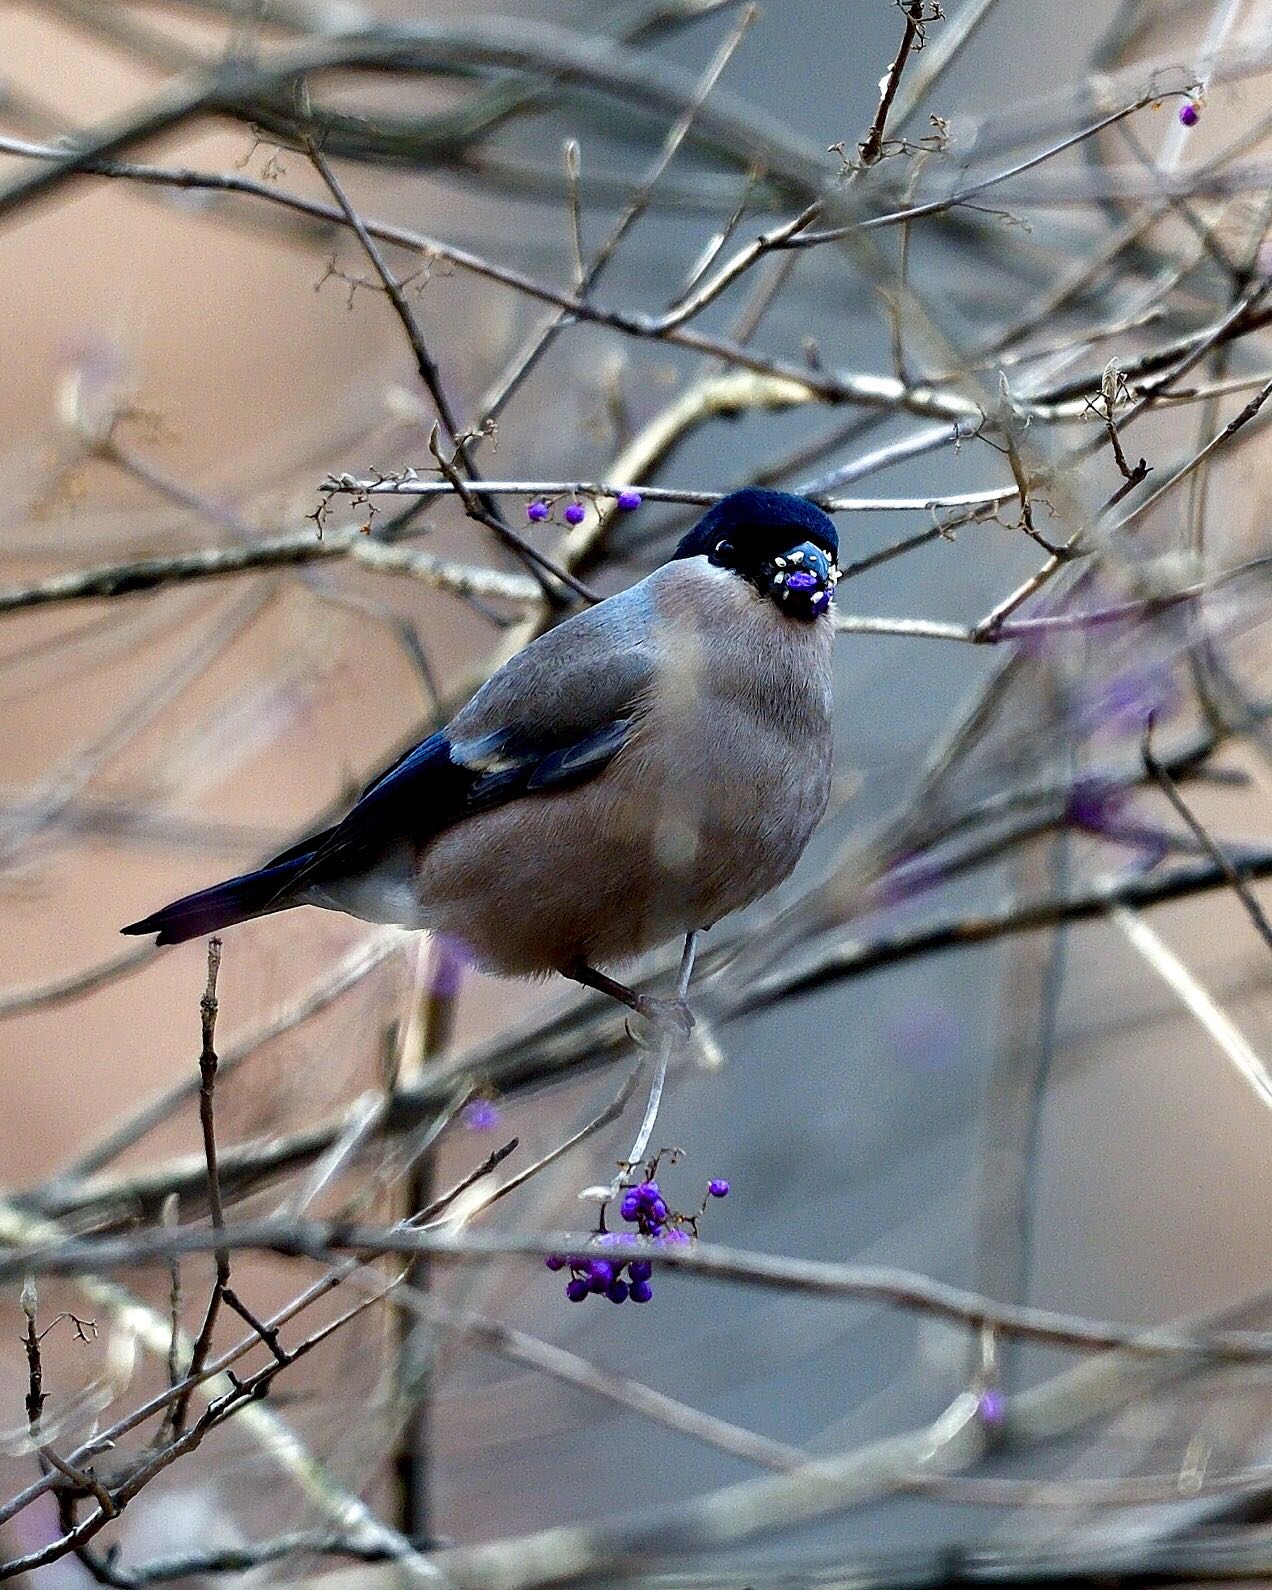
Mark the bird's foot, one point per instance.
(667, 1016)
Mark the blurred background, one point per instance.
(1073, 1116)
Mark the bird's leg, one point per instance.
(673, 1013)
(581, 972)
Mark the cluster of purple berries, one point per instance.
(575, 512)
(645, 1208)
(604, 1277)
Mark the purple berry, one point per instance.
(630, 1206)
(641, 1292)
(575, 513)
(676, 1235)
(1189, 113)
(991, 1406)
(481, 1115)
(801, 580)
(641, 1269)
(658, 1211)
(536, 512)
(647, 1192)
(555, 1261)
(628, 500)
(576, 1290)
(617, 1292)
(718, 1187)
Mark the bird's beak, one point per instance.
(803, 580)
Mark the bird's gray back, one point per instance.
(589, 670)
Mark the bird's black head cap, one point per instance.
(785, 547)
(756, 524)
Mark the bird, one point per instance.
(645, 768)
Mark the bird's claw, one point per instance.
(671, 1017)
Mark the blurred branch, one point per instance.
(74, 985)
(1218, 855)
(1219, 1559)
(1197, 1000)
(244, 89)
(324, 1240)
(148, 574)
(852, 958)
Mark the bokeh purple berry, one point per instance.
(991, 1406)
(628, 501)
(536, 512)
(481, 1115)
(1190, 113)
(575, 513)
(718, 1187)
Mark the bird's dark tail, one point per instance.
(224, 904)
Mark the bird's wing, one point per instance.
(555, 714)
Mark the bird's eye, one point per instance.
(723, 549)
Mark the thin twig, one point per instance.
(871, 146)
(326, 1240)
(1239, 884)
(1196, 999)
